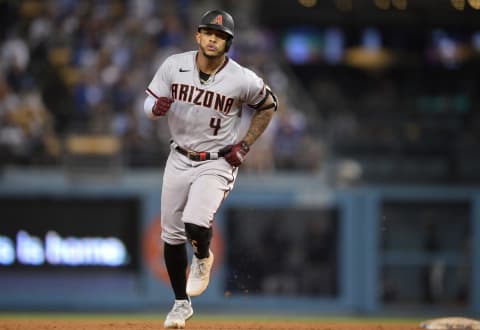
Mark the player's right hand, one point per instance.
(162, 105)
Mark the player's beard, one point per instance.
(211, 56)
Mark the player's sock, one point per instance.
(200, 238)
(176, 261)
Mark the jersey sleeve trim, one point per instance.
(256, 106)
(149, 91)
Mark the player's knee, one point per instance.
(198, 233)
(199, 237)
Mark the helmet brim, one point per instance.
(216, 27)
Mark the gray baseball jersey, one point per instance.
(205, 116)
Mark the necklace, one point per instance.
(206, 78)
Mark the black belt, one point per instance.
(195, 155)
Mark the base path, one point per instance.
(200, 325)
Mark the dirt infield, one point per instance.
(192, 325)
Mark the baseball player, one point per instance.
(201, 93)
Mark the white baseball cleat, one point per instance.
(181, 311)
(199, 276)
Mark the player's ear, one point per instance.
(197, 37)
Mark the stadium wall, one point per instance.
(92, 243)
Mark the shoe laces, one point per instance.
(200, 267)
(180, 308)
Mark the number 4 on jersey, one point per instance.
(215, 124)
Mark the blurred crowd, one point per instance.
(407, 124)
(70, 67)
(81, 67)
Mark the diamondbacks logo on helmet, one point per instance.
(217, 20)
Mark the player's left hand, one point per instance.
(235, 154)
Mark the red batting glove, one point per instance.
(235, 154)
(162, 105)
